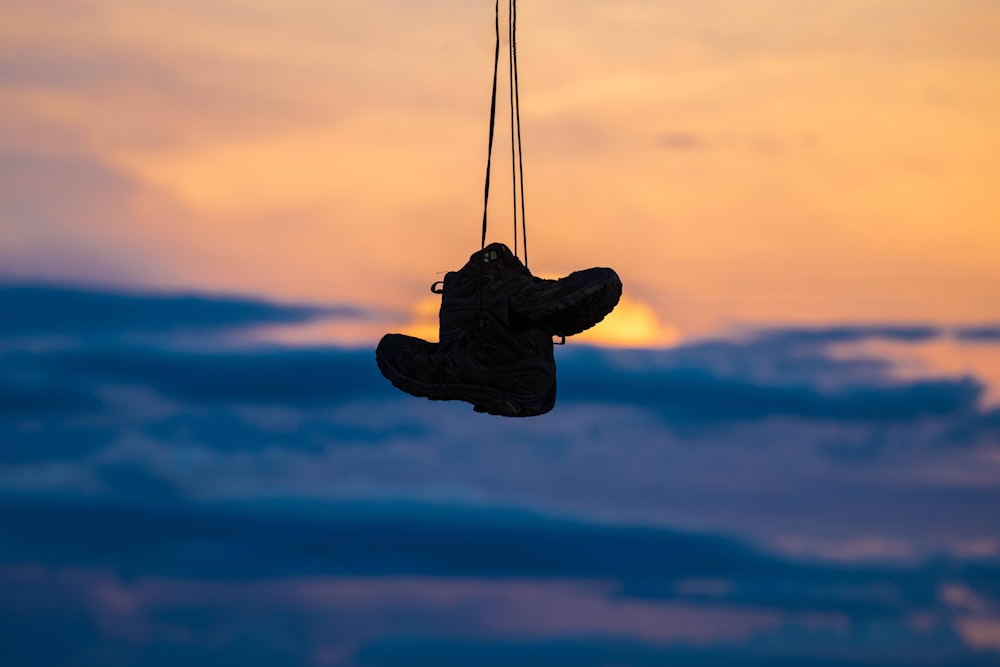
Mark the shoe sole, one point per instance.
(481, 398)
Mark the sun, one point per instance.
(631, 324)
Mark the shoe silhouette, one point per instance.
(499, 369)
(494, 277)
(496, 327)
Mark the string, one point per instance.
(513, 158)
(516, 152)
(516, 114)
(493, 116)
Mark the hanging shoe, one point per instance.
(499, 370)
(564, 307)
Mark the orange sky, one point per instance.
(739, 163)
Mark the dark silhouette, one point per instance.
(496, 327)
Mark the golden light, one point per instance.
(631, 324)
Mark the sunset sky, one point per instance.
(784, 443)
(739, 163)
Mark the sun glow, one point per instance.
(631, 324)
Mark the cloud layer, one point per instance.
(731, 501)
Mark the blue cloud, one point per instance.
(983, 334)
(682, 393)
(850, 334)
(262, 541)
(686, 393)
(28, 398)
(713, 381)
(48, 439)
(308, 376)
(109, 449)
(597, 652)
(39, 310)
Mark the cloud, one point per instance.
(47, 438)
(690, 395)
(48, 198)
(807, 430)
(704, 382)
(62, 346)
(270, 376)
(600, 652)
(765, 483)
(697, 384)
(42, 310)
(681, 141)
(847, 334)
(981, 633)
(31, 399)
(986, 334)
(364, 578)
(359, 539)
(254, 541)
(82, 184)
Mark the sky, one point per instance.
(782, 448)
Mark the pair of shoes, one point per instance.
(497, 322)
